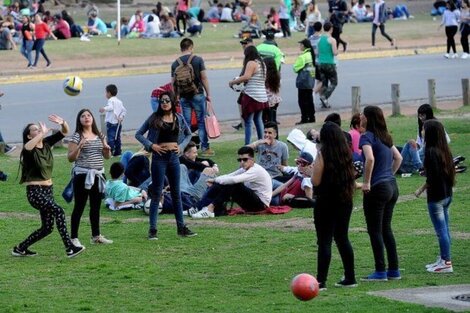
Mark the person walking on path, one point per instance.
(379, 18)
(304, 66)
(168, 135)
(41, 31)
(440, 178)
(333, 178)
(88, 149)
(381, 161)
(327, 65)
(254, 99)
(37, 163)
(450, 19)
(27, 31)
(190, 84)
(338, 16)
(465, 28)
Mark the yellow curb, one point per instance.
(230, 64)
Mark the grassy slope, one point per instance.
(229, 268)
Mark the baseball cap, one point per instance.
(305, 156)
(245, 41)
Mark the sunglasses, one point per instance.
(302, 162)
(165, 100)
(243, 159)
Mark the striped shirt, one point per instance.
(255, 87)
(91, 155)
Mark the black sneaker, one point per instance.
(74, 251)
(346, 283)
(185, 232)
(17, 252)
(152, 234)
(322, 286)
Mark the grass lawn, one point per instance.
(235, 264)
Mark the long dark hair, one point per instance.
(376, 124)
(436, 145)
(25, 141)
(251, 54)
(425, 109)
(337, 157)
(308, 45)
(156, 119)
(79, 126)
(273, 77)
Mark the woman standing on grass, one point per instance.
(168, 135)
(333, 178)
(254, 99)
(440, 178)
(465, 28)
(37, 162)
(88, 149)
(381, 161)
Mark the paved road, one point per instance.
(28, 102)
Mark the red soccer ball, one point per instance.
(304, 287)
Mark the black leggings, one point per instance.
(382, 31)
(336, 34)
(181, 16)
(239, 193)
(450, 33)
(464, 37)
(42, 199)
(81, 196)
(285, 27)
(331, 220)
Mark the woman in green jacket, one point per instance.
(304, 67)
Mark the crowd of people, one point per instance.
(169, 169)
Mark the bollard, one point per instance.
(356, 99)
(432, 93)
(466, 91)
(395, 99)
(103, 125)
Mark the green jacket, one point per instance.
(302, 60)
(267, 50)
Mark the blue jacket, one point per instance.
(184, 134)
(382, 12)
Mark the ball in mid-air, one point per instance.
(73, 85)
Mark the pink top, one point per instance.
(355, 135)
(183, 5)
(138, 26)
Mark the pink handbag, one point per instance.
(212, 125)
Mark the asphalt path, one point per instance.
(30, 102)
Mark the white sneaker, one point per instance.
(76, 242)
(442, 267)
(435, 263)
(204, 213)
(100, 239)
(192, 211)
(455, 56)
(465, 55)
(446, 56)
(84, 38)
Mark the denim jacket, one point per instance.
(184, 134)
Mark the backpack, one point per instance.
(184, 79)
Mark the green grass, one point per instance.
(242, 265)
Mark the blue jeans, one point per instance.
(439, 214)
(166, 164)
(257, 117)
(125, 157)
(196, 189)
(39, 45)
(411, 159)
(114, 137)
(378, 210)
(198, 103)
(26, 49)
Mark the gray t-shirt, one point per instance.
(270, 157)
(198, 66)
(5, 43)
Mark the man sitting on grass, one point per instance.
(250, 186)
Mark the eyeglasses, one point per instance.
(165, 100)
(243, 159)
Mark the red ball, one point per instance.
(304, 287)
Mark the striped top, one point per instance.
(255, 87)
(91, 155)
